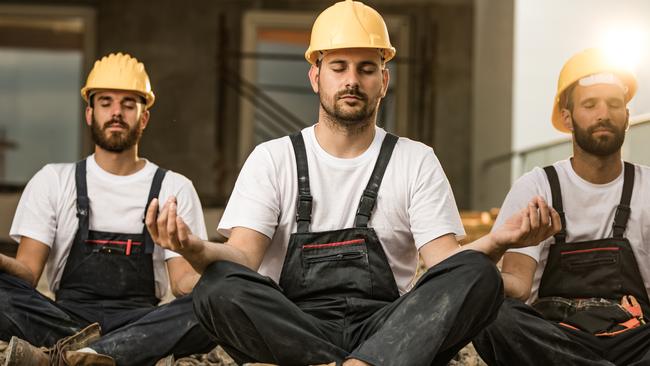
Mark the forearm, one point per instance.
(186, 284)
(209, 253)
(514, 287)
(488, 246)
(15, 268)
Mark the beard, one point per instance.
(115, 141)
(603, 145)
(346, 115)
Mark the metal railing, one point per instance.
(635, 149)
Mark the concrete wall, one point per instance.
(187, 46)
(492, 112)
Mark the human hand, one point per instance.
(168, 230)
(528, 227)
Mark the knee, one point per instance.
(222, 285)
(508, 319)
(474, 269)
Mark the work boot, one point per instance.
(74, 342)
(20, 352)
(167, 361)
(80, 339)
(74, 358)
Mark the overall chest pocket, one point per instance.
(336, 268)
(597, 269)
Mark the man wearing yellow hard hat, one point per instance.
(325, 227)
(85, 221)
(581, 298)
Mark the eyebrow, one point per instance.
(109, 98)
(361, 64)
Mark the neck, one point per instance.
(344, 141)
(126, 162)
(596, 169)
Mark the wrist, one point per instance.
(495, 247)
(194, 253)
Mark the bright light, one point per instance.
(625, 46)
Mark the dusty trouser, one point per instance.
(337, 296)
(251, 318)
(521, 336)
(108, 278)
(131, 336)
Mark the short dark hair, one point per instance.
(566, 98)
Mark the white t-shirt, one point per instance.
(47, 211)
(589, 210)
(415, 203)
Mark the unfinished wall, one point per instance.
(187, 46)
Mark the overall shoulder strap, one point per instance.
(83, 203)
(556, 194)
(369, 196)
(304, 200)
(154, 191)
(623, 209)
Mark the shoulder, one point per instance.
(412, 147)
(175, 179)
(532, 183)
(272, 150)
(273, 147)
(53, 174)
(533, 178)
(643, 171)
(413, 154)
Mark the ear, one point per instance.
(89, 115)
(567, 120)
(144, 119)
(313, 77)
(386, 76)
(627, 119)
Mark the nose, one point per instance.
(116, 109)
(602, 112)
(351, 79)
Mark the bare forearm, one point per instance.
(186, 284)
(487, 246)
(514, 287)
(15, 268)
(210, 252)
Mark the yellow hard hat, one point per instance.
(588, 62)
(119, 71)
(349, 24)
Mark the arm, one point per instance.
(517, 273)
(29, 262)
(528, 227)
(182, 276)
(245, 246)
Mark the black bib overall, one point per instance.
(107, 272)
(584, 283)
(339, 263)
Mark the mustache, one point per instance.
(114, 121)
(606, 124)
(353, 92)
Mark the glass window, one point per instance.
(42, 57)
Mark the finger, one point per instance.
(533, 215)
(556, 221)
(524, 228)
(172, 228)
(183, 232)
(161, 224)
(150, 219)
(544, 213)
